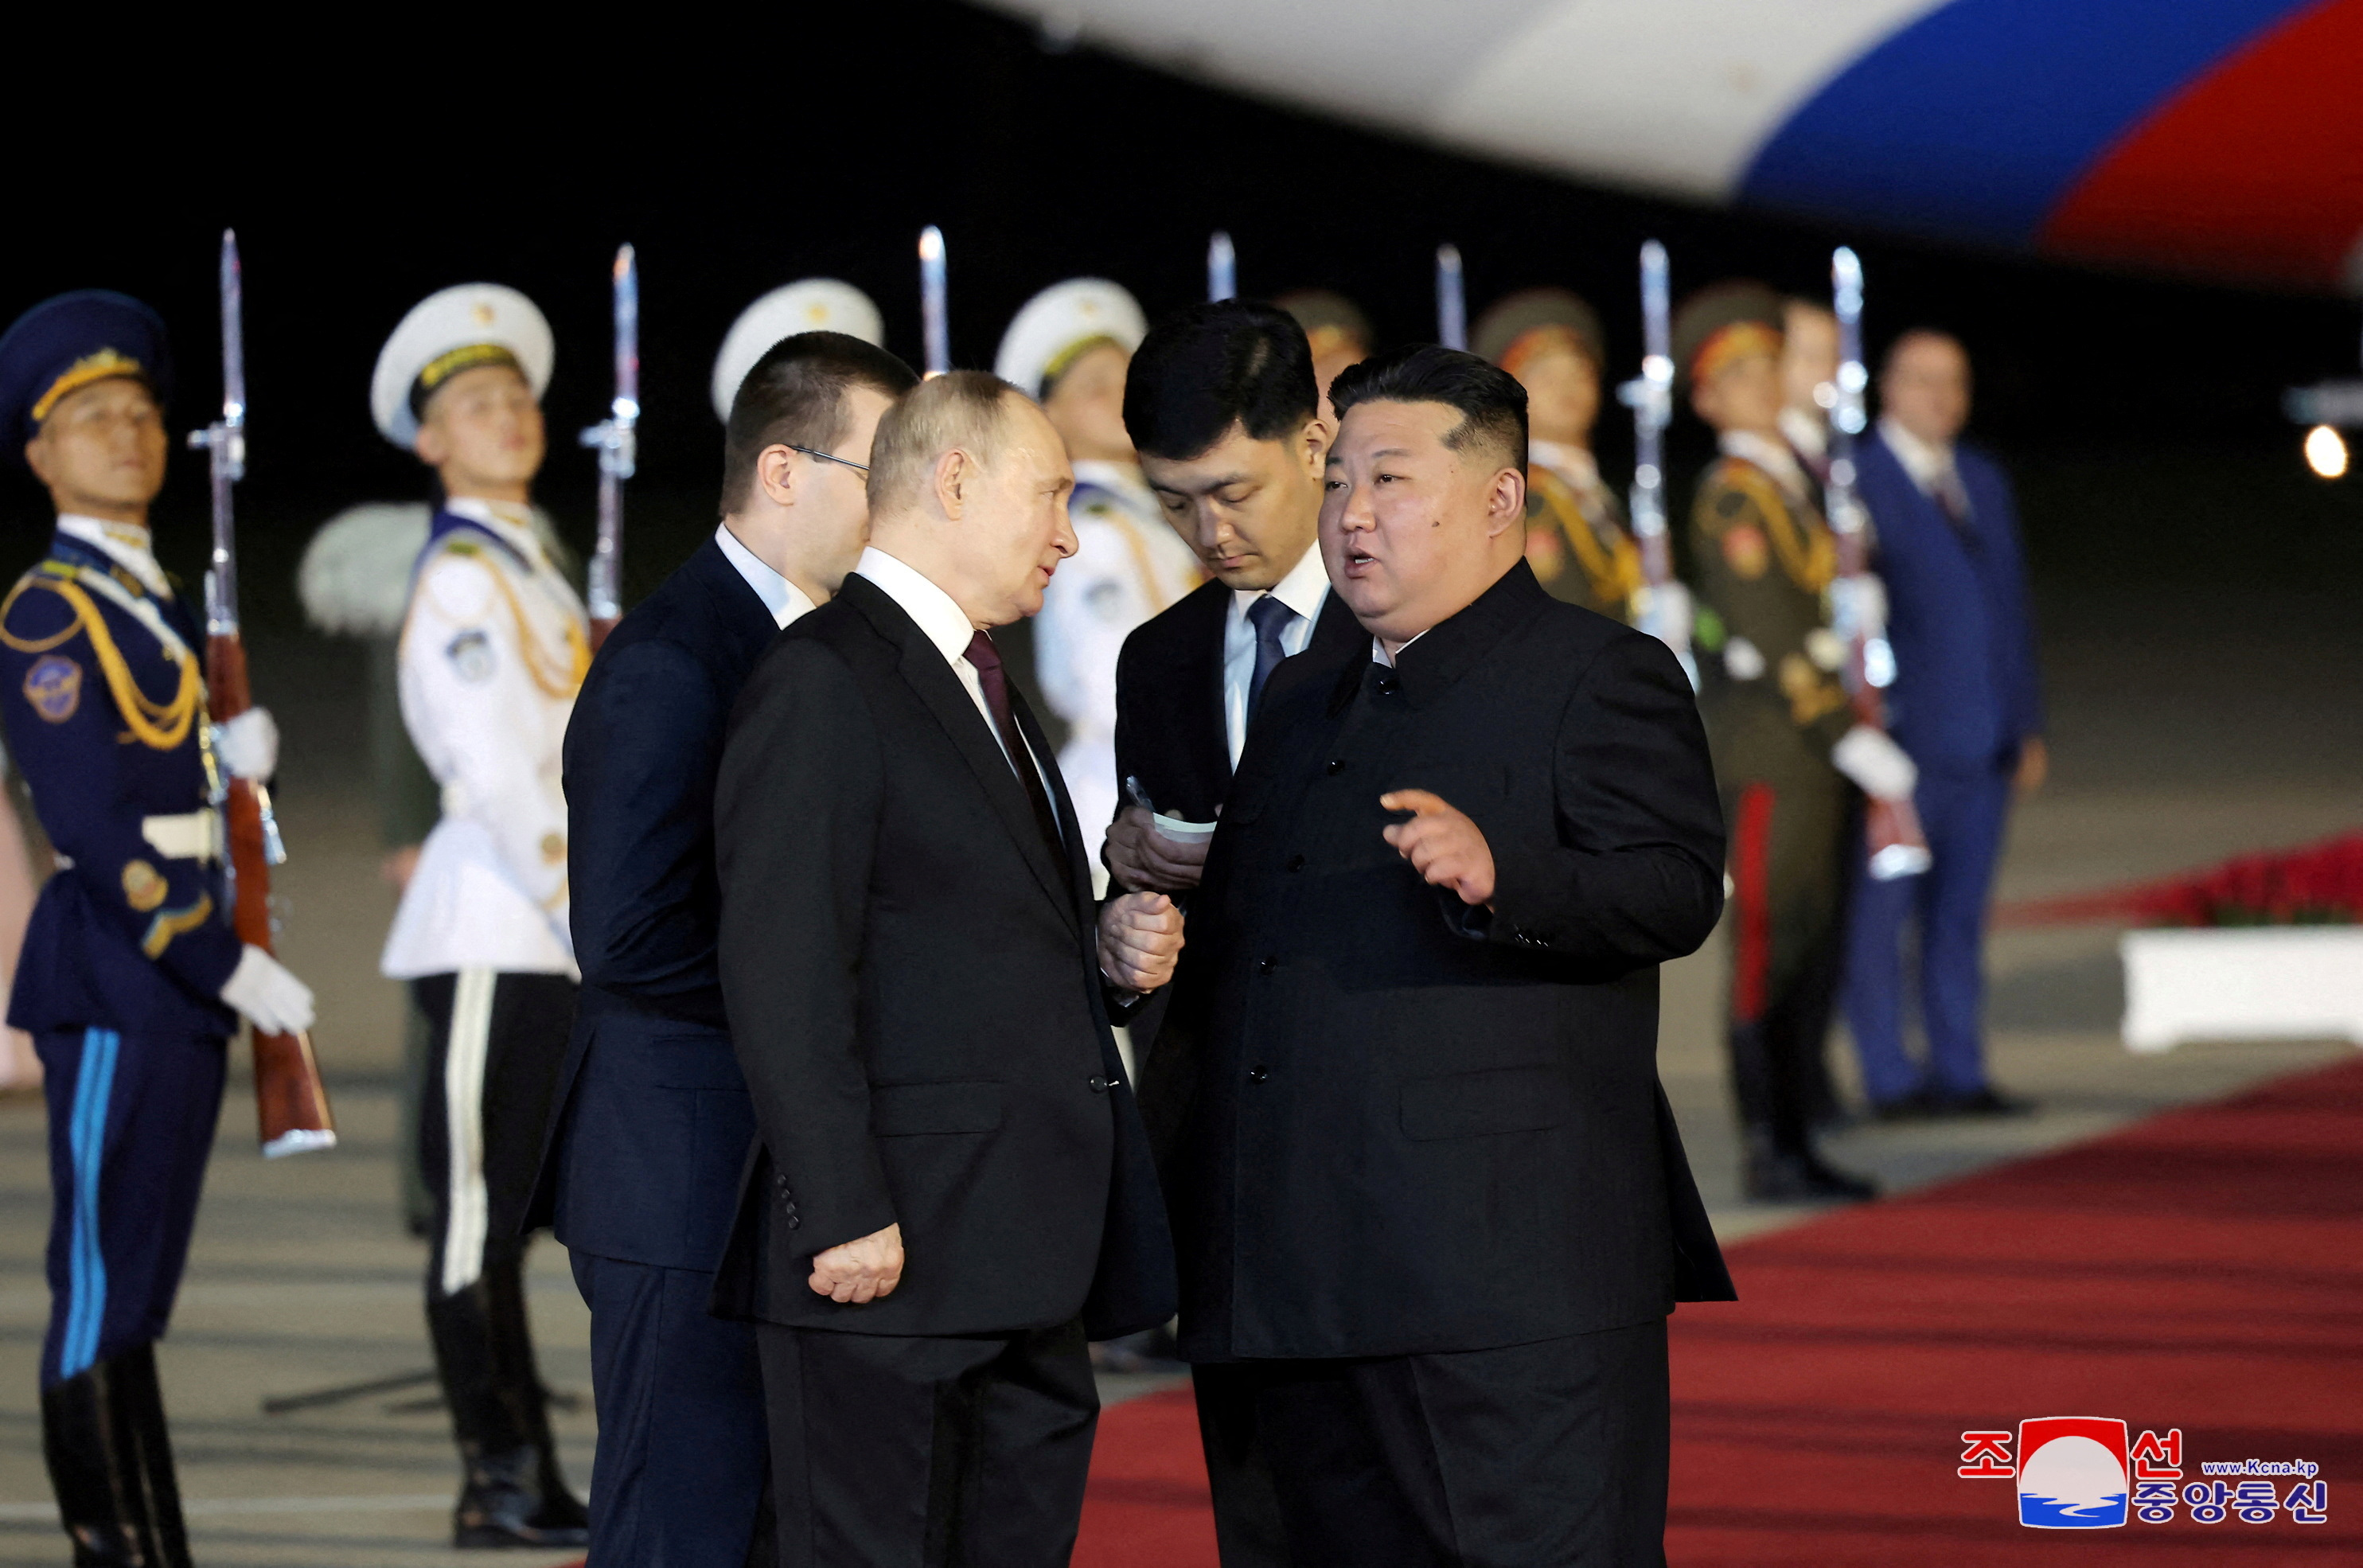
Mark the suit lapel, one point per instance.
(1203, 672)
(924, 668)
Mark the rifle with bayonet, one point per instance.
(1662, 608)
(291, 1101)
(1897, 845)
(617, 442)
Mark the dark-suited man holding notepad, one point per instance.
(952, 1190)
(1430, 1204)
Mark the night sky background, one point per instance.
(2140, 415)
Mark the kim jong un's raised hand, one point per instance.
(1442, 844)
(1140, 941)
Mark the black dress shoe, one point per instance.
(1801, 1178)
(506, 1502)
(1918, 1105)
(1985, 1102)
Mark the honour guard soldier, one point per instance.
(132, 979)
(1069, 349)
(494, 646)
(1577, 539)
(1784, 734)
(1809, 374)
(1337, 332)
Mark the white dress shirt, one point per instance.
(942, 622)
(1928, 465)
(1305, 590)
(782, 597)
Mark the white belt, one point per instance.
(185, 836)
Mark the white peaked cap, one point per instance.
(1062, 316)
(461, 316)
(808, 305)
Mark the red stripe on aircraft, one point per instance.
(2255, 170)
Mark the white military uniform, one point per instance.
(1128, 563)
(495, 643)
(493, 650)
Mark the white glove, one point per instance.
(1664, 612)
(267, 994)
(1859, 605)
(248, 744)
(1876, 763)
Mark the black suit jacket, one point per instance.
(1169, 732)
(1403, 1125)
(915, 999)
(651, 1125)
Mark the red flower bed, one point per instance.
(2320, 885)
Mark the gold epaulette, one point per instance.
(162, 725)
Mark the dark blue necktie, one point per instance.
(1271, 618)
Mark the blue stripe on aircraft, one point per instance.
(1974, 121)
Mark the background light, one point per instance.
(2326, 453)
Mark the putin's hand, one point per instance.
(1442, 844)
(1140, 941)
(861, 1270)
(1140, 856)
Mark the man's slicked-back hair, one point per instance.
(795, 397)
(965, 409)
(1492, 404)
(1201, 370)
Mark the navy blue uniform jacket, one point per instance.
(122, 938)
(1966, 689)
(651, 1124)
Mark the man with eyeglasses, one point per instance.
(654, 1122)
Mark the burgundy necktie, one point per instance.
(987, 660)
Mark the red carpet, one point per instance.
(2201, 1270)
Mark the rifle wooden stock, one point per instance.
(291, 1102)
(600, 627)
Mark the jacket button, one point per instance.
(1266, 965)
(795, 1220)
(1258, 1075)
(1388, 684)
(1336, 766)
(1296, 862)
(1100, 1085)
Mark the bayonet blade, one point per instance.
(1452, 304)
(1222, 267)
(934, 315)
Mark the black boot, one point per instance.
(1796, 1174)
(513, 1494)
(111, 1462)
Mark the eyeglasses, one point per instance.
(827, 457)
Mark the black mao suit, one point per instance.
(651, 1122)
(1428, 1198)
(1173, 736)
(914, 998)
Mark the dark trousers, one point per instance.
(1789, 850)
(1963, 810)
(131, 1123)
(681, 1446)
(1553, 1453)
(498, 1040)
(899, 1452)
